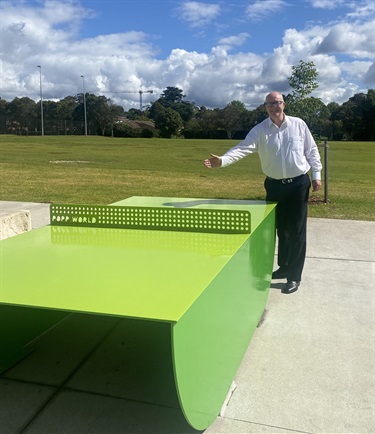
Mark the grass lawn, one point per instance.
(102, 170)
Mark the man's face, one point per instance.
(275, 106)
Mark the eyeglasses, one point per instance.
(273, 103)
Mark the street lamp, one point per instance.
(84, 103)
(41, 99)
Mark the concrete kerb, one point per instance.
(18, 217)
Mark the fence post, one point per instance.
(325, 171)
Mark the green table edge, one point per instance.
(210, 340)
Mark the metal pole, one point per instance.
(41, 99)
(325, 171)
(84, 103)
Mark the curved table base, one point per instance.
(210, 340)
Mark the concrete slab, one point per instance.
(77, 412)
(14, 223)
(310, 367)
(39, 212)
(234, 426)
(19, 402)
(57, 354)
(341, 239)
(139, 367)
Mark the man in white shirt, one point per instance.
(287, 152)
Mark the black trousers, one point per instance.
(291, 221)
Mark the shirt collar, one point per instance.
(270, 123)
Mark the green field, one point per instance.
(102, 170)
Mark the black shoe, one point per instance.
(280, 273)
(291, 286)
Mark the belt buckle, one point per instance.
(287, 180)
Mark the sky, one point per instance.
(215, 51)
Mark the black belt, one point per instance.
(286, 180)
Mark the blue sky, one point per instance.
(171, 25)
(215, 51)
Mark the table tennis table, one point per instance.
(203, 266)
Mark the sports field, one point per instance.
(102, 170)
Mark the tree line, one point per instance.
(171, 115)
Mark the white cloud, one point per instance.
(327, 4)
(352, 39)
(233, 41)
(198, 14)
(260, 9)
(361, 10)
(342, 54)
(369, 77)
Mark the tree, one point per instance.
(193, 129)
(167, 120)
(134, 114)
(303, 82)
(115, 111)
(66, 107)
(354, 119)
(235, 118)
(100, 112)
(22, 114)
(368, 112)
(210, 121)
(357, 116)
(3, 115)
(258, 115)
(172, 98)
(303, 79)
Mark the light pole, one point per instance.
(41, 99)
(84, 103)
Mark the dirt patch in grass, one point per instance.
(71, 162)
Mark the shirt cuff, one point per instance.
(225, 161)
(315, 176)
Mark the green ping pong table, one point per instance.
(203, 266)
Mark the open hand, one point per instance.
(214, 161)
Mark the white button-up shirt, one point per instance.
(284, 152)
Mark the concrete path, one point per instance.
(310, 367)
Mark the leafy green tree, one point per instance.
(115, 111)
(172, 97)
(368, 111)
(167, 120)
(193, 129)
(66, 107)
(100, 113)
(49, 110)
(258, 115)
(235, 117)
(303, 80)
(134, 114)
(64, 114)
(22, 114)
(3, 115)
(357, 116)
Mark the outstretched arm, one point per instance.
(213, 162)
